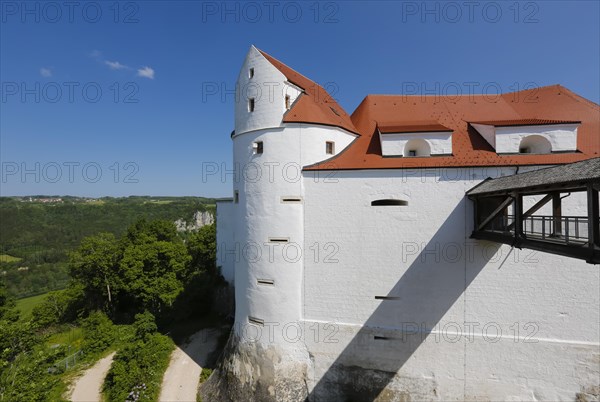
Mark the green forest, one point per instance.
(38, 233)
(134, 284)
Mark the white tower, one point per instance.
(272, 141)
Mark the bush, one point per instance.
(98, 332)
(144, 325)
(206, 372)
(58, 307)
(137, 370)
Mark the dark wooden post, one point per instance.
(518, 213)
(593, 229)
(557, 214)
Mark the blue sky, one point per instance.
(109, 98)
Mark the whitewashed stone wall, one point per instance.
(472, 320)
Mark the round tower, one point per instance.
(268, 153)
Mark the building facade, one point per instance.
(348, 242)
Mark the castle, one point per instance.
(390, 255)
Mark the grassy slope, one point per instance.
(26, 305)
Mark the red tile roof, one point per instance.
(524, 122)
(545, 105)
(315, 105)
(411, 127)
(469, 148)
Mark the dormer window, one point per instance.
(417, 147)
(251, 105)
(535, 144)
(329, 147)
(251, 72)
(420, 139)
(529, 136)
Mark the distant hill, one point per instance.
(38, 232)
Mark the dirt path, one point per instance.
(180, 382)
(88, 387)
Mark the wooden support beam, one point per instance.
(593, 229)
(557, 214)
(533, 209)
(518, 215)
(497, 211)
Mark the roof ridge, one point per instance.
(315, 105)
(579, 98)
(268, 56)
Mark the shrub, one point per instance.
(98, 332)
(206, 372)
(137, 370)
(144, 325)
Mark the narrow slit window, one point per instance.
(330, 147)
(251, 72)
(269, 282)
(278, 240)
(256, 321)
(387, 298)
(258, 147)
(236, 196)
(287, 102)
(388, 202)
(381, 338)
(251, 105)
(291, 199)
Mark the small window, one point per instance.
(388, 202)
(387, 298)
(287, 102)
(236, 196)
(330, 147)
(256, 321)
(524, 150)
(412, 152)
(258, 147)
(291, 199)
(251, 105)
(251, 73)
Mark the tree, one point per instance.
(202, 246)
(153, 265)
(144, 270)
(59, 306)
(98, 331)
(144, 325)
(94, 265)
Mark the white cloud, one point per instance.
(115, 65)
(96, 54)
(146, 72)
(45, 72)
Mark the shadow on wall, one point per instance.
(425, 293)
